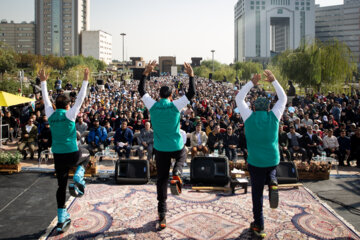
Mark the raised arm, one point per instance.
(280, 105)
(73, 112)
(145, 97)
(244, 110)
(184, 100)
(48, 106)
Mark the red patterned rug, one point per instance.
(130, 212)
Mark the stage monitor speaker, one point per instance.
(210, 76)
(132, 171)
(210, 171)
(137, 73)
(100, 82)
(286, 173)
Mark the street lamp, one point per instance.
(213, 60)
(123, 36)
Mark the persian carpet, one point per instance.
(130, 212)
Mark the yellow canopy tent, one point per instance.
(8, 99)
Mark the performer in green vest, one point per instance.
(64, 145)
(168, 143)
(261, 132)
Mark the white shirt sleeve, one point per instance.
(148, 101)
(73, 112)
(48, 106)
(244, 110)
(180, 103)
(280, 105)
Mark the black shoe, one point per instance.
(162, 221)
(257, 230)
(273, 194)
(176, 185)
(63, 227)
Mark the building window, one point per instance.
(308, 8)
(252, 7)
(258, 33)
(280, 11)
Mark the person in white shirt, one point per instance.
(307, 121)
(331, 144)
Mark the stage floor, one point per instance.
(110, 211)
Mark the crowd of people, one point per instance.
(115, 116)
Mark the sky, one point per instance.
(181, 28)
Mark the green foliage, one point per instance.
(11, 84)
(7, 59)
(75, 76)
(245, 69)
(8, 158)
(318, 65)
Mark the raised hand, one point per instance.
(269, 76)
(42, 75)
(150, 68)
(86, 74)
(188, 69)
(256, 78)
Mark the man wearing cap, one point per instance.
(64, 146)
(261, 131)
(168, 143)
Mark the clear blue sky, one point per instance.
(181, 28)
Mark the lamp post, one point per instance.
(123, 37)
(213, 58)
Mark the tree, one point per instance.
(7, 59)
(318, 64)
(246, 69)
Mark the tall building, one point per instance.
(59, 24)
(341, 22)
(20, 36)
(97, 44)
(268, 27)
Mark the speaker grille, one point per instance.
(210, 171)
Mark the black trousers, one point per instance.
(63, 163)
(163, 162)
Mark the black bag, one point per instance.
(210, 171)
(286, 173)
(132, 171)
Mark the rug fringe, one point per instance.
(330, 209)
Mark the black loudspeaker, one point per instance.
(286, 173)
(210, 171)
(137, 73)
(132, 171)
(210, 76)
(100, 82)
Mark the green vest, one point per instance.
(63, 133)
(165, 119)
(261, 132)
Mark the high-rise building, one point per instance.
(19, 36)
(341, 22)
(59, 24)
(268, 27)
(97, 44)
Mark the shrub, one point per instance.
(8, 158)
